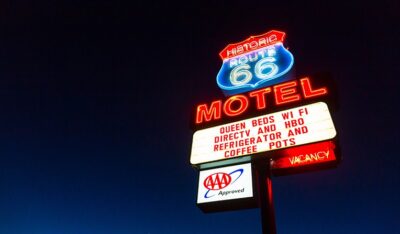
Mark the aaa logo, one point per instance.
(220, 180)
(217, 181)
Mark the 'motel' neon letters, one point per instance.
(254, 63)
(283, 93)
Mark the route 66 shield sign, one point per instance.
(256, 62)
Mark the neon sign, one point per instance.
(283, 93)
(254, 63)
(269, 121)
(312, 154)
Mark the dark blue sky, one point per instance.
(96, 101)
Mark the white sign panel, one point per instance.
(225, 183)
(292, 127)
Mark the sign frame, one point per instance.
(265, 152)
(232, 204)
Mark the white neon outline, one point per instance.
(235, 74)
(264, 64)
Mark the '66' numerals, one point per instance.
(264, 69)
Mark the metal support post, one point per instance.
(266, 203)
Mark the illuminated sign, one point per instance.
(226, 183)
(292, 127)
(312, 154)
(254, 63)
(283, 93)
(268, 121)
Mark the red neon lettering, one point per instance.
(243, 105)
(308, 91)
(305, 155)
(235, 105)
(214, 112)
(286, 92)
(260, 97)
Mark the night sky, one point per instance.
(97, 100)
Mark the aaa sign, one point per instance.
(225, 183)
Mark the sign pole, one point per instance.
(266, 203)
